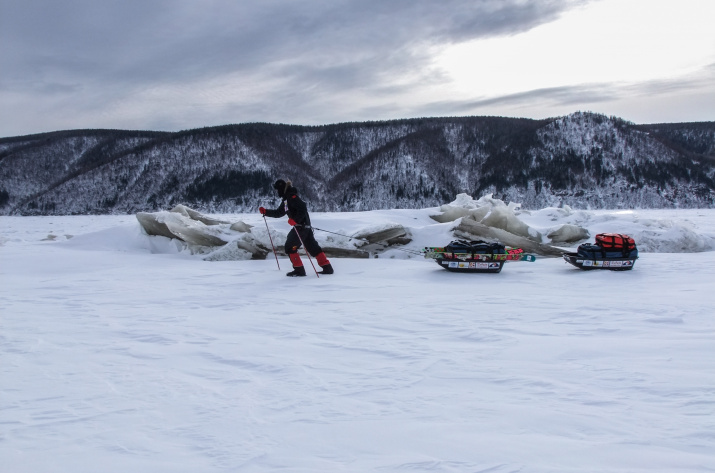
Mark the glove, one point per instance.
(291, 222)
(262, 210)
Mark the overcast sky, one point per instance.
(178, 64)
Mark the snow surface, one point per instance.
(123, 352)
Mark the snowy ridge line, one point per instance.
(584, 160)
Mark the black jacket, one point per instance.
(293, 206)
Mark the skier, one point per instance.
(299, 219)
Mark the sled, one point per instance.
(475, 256)
(612, 251)
(614, 264)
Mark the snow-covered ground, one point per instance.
(122, 352)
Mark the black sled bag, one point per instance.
(463, 247)
(473, 257)
(596, 252)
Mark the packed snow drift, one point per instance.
(548, 232)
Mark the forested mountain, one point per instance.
(584, 160)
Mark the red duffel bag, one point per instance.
(616, 241)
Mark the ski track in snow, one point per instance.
(116, 358)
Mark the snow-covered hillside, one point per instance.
(124, 352)
(584, 160)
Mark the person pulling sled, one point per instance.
(301, 233)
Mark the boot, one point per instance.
(297, 271)
(324, 263)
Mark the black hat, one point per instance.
(280, 186)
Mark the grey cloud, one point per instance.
(566, 95)
(157, 40)
(704, 77)
(578, 95)
(93, 54)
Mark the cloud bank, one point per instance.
(170, 65)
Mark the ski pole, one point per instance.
(272, 246)
(306, 251)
